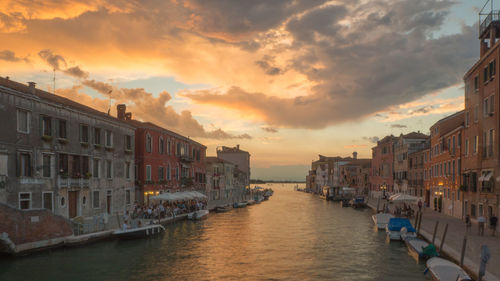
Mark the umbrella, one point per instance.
(403, 198)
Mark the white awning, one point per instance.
(486, 176)
(481, 178)
(179, 196)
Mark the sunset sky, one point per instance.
(287, 80)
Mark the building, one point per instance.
(222, 179)
(445, 165)
(164, 160)
(324, 172)
(238, 157)
(381, 179)
(63, 156)
(416, 169)
(481, 169)
(405, 145)
(355, 173)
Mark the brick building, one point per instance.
(405, 145)
(382, 164)
(416, 171)
(481, 167)
(164, 161)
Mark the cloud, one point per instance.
(399, 126)
(371, 139)
(270, 129)
(270, 70)
(355, 146)
(55, 61)
(77, 72)
(8, 55)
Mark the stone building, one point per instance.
(403, 146)
(238, 157)
(416, 169)
(60, 155)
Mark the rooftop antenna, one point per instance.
(54, 81)
(109, 94)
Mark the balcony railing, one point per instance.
(186, 158)
(71, 182)
(490, 17)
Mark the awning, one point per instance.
(179, 196)
(486, 176)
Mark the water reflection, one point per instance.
(293, 236)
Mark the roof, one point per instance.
(152, 126)
(213, 159)
(46, 96)
(415, 135)
(226, 149)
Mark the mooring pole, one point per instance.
(435, 230)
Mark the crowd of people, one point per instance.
(166, 209)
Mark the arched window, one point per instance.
(149, 143)
(161, 145)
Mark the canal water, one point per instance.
(293, 236)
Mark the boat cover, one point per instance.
(446, 270)
(419, 245)
(395, 224)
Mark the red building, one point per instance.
(164, 161)
(382, 164)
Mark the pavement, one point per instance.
(454, 240)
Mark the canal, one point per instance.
(293, 236)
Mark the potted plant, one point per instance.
(88, 175)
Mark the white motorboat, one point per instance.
(444, 270)
(198, 215)
(139, 232)
(393, 228)
(381, 220)
(416, 249)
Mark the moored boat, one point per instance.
(198, 215)
(345, 203)
(251, 202)
(444, 270)
(420, 250)
(381, 219)
(240, 205)
(222, 209)
(139, 232)
(358, 202)
(393, 228)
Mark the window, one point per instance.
(95, 199)
(127, 170)
(160, 173)
(492, 69)
(109, 138)
(476, 112)
(485, 75)
(96, 168)
(62, 202)
(473, 210)
(23, 121)
(84, 133)
(466, 147)
(168, 172)
(97, 135)
(109, 169)
(46, 127)
(48, 200)
(46, 166)
(61, 129)
(24, 164)
(486, 107)
(490, 142)
(148, 172)
(128, 142)
(474, 148)
(168, 146)
(127, 197)
(149, 143)
(24, 200)
(63, 163)
(492, 104)
(178, 151)
(476, 83)
(161, 145)
(177, 173)
(467, 115)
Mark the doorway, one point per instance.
(72, 203)
(108, 201)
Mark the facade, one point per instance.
(405, 145)
(381, 178)
(221, 180)
(446, 164)
(416, 172)
(60, 155)
(165, 161)
(481, 169)
(238, 157)
(355, 173)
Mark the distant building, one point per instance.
(381, 178)
(62, 156)
(238, 157)
(405, 145)
(416, 169)
(221, 183)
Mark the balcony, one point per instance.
(491, 17)
(71, 182)
(27, 180)
(186, 159)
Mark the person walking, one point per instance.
(420, 206)
(481, 220)
(493, 224)
(468, 223)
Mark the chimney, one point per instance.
(120, 111)
(238, 147)
(128, 116)
(355, 155)
(32, 87)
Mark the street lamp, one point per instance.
(384, 188)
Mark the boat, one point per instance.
(198, 215)
(381, 219)
(420, 250)
(407, 234)
(444, 270)
(358, 202)
(222, 209)
(251, 202)
(345, 203)
(139, 232)
(393, 228)
(240, 205)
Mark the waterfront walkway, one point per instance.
(454, 240)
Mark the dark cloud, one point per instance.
(371, 139)
(8, 55)
(54, 60)
(422, 110)
(77, 72)
(270, 129)
(270, 70)
(398, 126)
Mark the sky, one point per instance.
(285, 79)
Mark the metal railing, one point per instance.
(490, 17)
(67, 182)
(85, 226)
